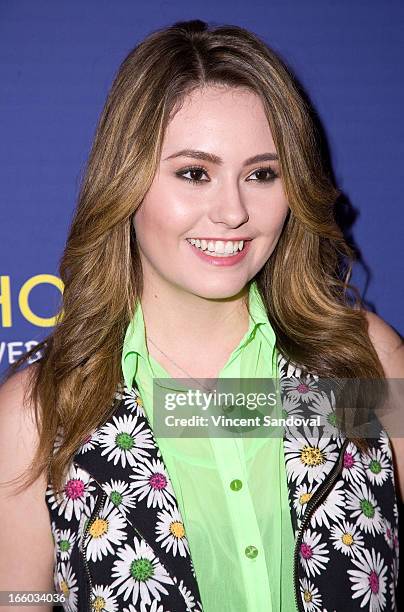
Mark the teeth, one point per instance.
(218, 247)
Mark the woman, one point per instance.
(203, 246)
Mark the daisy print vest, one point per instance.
(120, 544)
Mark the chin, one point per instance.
(217, 290)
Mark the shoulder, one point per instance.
(18, 382)
(389, 347)
(17, 423)
(15, 405)
(22, 564)
(387, 343)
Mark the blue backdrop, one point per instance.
(58, 60)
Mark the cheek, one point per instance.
(271, 218)
(160, 220)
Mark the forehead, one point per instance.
(217, 115)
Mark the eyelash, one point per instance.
(181, 173)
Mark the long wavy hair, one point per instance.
(316, 314)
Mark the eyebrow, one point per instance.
(215, 159)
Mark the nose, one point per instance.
(228, 207)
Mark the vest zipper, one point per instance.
(312, 503)
(99, 503)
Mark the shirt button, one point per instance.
(251, 552)
(236, 485)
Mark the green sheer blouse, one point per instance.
(231, 492)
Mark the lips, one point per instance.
(221, 260)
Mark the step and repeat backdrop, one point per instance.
(57, 64)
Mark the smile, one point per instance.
(220, 253)
(218, 248)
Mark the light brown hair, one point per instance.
(303, 284)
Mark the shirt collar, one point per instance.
(134, 345)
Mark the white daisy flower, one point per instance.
(171, 532)
(187, 595)
(332, 508)
(193, 572)
(125, 440)
(73, 499)
(393, 590)
(339, 439)
(303, 390)
(376, 466)
(302, 496)
(293, 369)
(58, 439)
(103, 599)
(395, 566)
(133, 401)
(311, 597)
(313, 554)
(120, 389)
(388, 533)
(361, 503)
(283, 364)
(120, 495)
(353, 469)
(89, 442)
(88, 510)
(67, 583)
(308, 456)
(139, 573)
(395, 539)
(347, 538)
(155, 607)
(369, 580)
(290, 408)
(54, 532)
(106, 530)
(322, 406)
(393, 582)
(66, 540)
(385, 444)
(151, 480)
(395, 509)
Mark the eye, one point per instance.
(195, 170)
(272, 174)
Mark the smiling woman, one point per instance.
(204, 245)
(237, 200)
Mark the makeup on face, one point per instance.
(216, 207)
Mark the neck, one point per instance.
(178, 321)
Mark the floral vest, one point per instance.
(120, 542)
